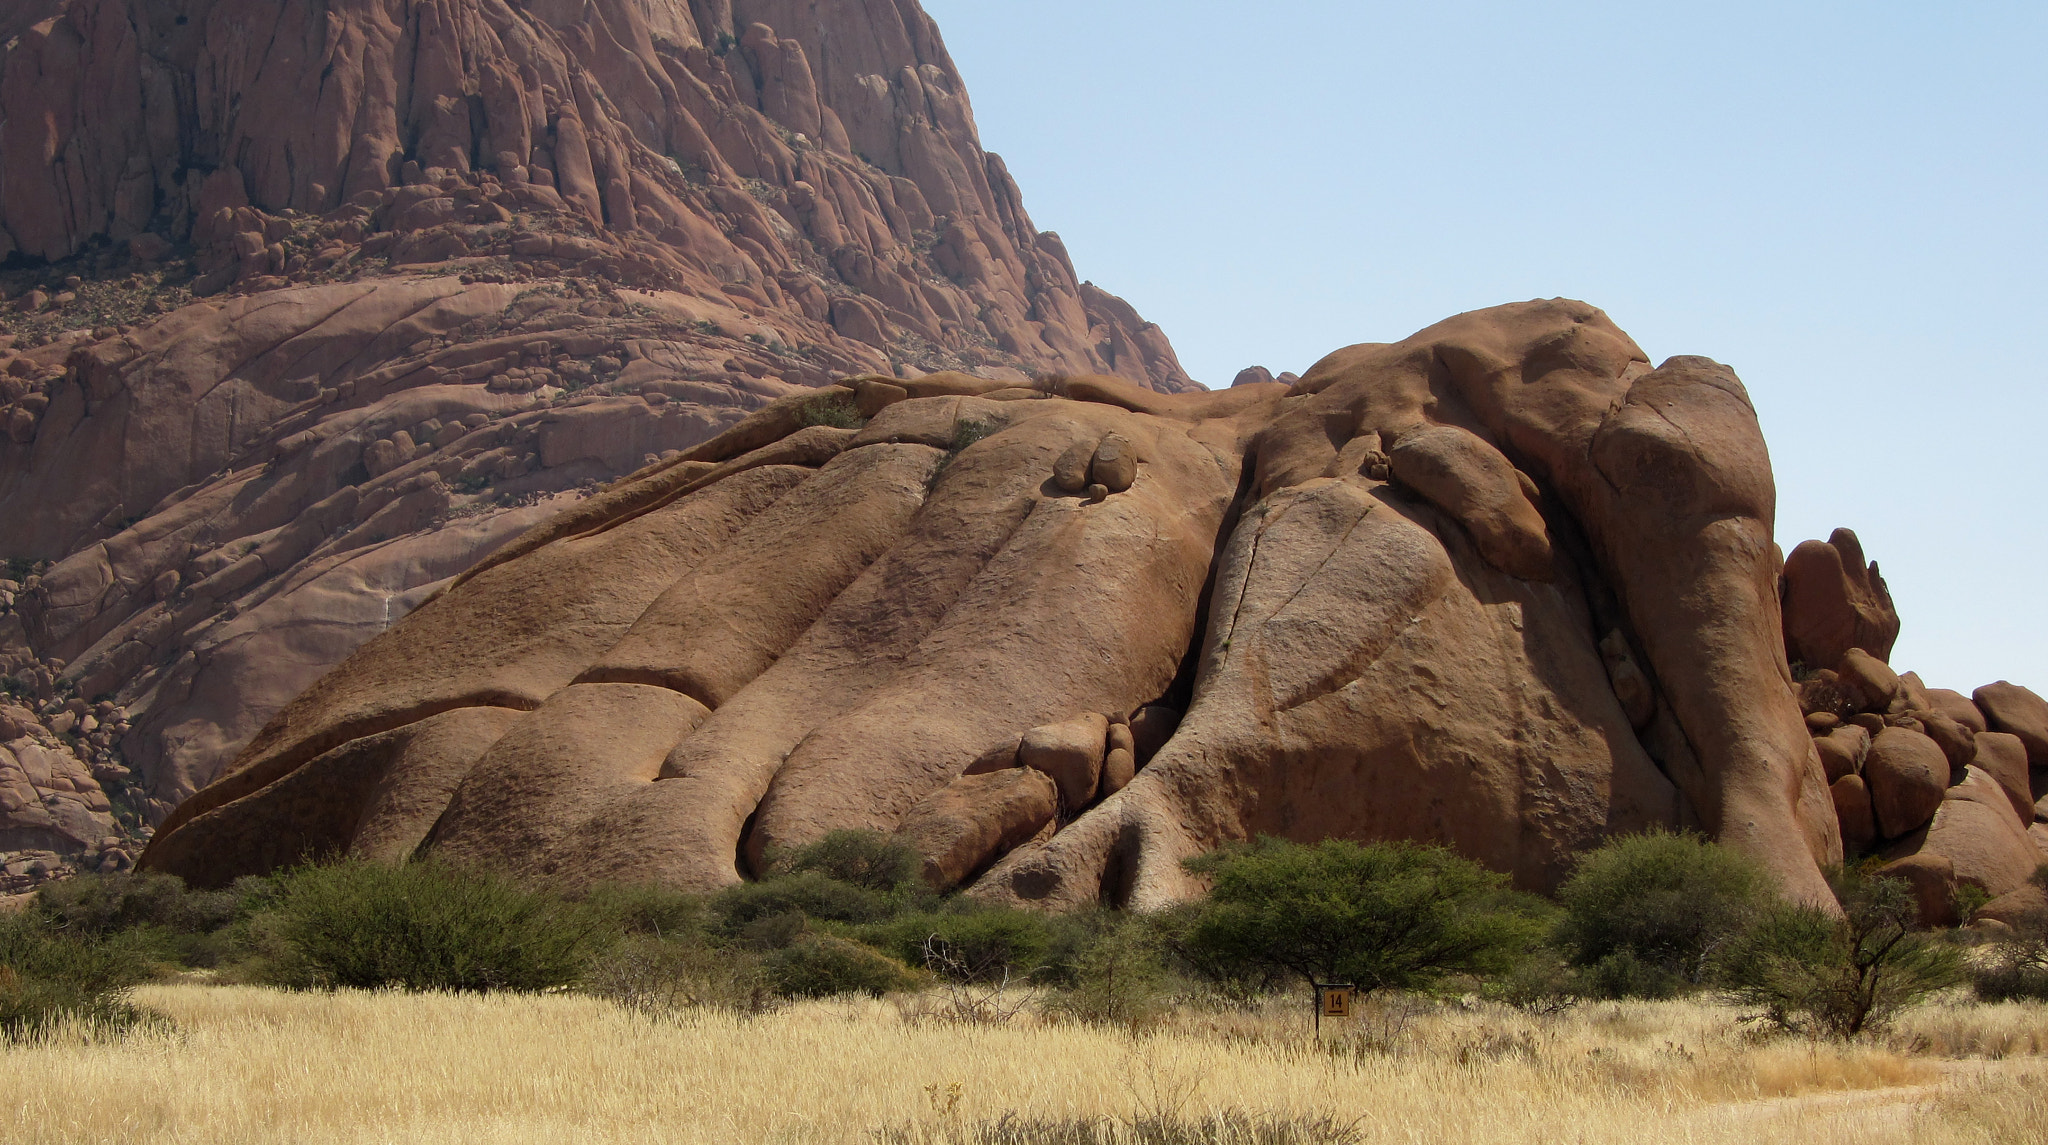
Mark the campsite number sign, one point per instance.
(1333, 1000)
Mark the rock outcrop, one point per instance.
(1503, 586)
(1922, 785)
(310, 308)
(618, 440)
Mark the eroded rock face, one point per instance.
(1560, 624)
(318, 306)
(1834, 601)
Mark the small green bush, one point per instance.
(1811, 972)
(1381, 915)
(49, 976)
(156, 911)
(423, 925)
(1118, 976)
(972, 945)
(868, 859)
(1643, 913)
(806, 895)
(835, 410)
(645, 909)
(821, 965)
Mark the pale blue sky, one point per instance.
(1844, 201)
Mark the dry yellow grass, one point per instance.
(247, 1065)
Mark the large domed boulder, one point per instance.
(1502, 586)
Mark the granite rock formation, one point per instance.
(1502, 586)
(308, 308)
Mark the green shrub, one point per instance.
(970, 945)
(1809, 971)
(807, 895)
(1118, 976)
(645, 909)
(424, 925)
(157, 912)
(836, 410)
(1643, 913)
(49, 976)
(821, 965)
(868, 859)
(1381, 915)
(1542, 983)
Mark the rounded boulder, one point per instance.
(1906, 773)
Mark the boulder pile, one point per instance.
(67, 801)
(1947, 790)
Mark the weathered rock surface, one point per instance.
(57, 769)
(2017, 711)
(1835, 602)
(1852, 808)
(313, 308)
(1907, 774)
(1842, 751)
(1974, 840)
(1443, 590)
(1071, 753)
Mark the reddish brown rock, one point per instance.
(1957, 742)
(1933, 881)
(2028, 904)
(1870, 678)
(1842, 751)
(2017, 711)
(1973, 841)
(1985, 843)
(2004, 758)
(1151, 727)
(963, 826)
(1470, 480)
(1071, 753)
(1954, 705)
(476, 264)
(1119, 766)
(1326, 632)
(1906, 773)
(1833, 602)
(1852, 810)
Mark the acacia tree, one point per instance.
(1811, 972)
(1381, 915)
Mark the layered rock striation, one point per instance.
(310, 307)
(1503, 586)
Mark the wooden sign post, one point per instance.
(1333, 1000)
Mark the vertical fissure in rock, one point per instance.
(1181, 691)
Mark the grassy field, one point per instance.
(241, 1065)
